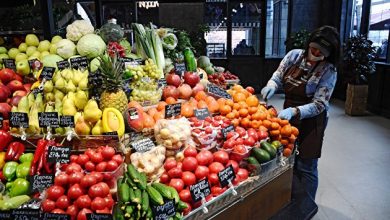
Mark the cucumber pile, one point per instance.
(265, 153)
(136, 197)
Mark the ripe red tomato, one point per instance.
(61, 180)
(48, 205)
(82, 214)
(99, 190)
(98, 204)
(241, 131)
(89, 152)
(243, 174)
(188, 178)
(178, 184)
(185, 195)
(58, 211)
(83, 201)
(75, 191)
(54, 192)
(190, 152)
(108, 152)
(262, 135)
(99, 176)
(179, 165)
(112, 165)
(221, 156)
(216, 167)
(230, 135)
(109, 201)
(88, 180)
(103, 211)
(253, 133)
(229, 144)
(175, 173)
(213, 179)
(236, 181)
(234, 165)
(62, 202)
(190, 164)
(118, 158)
(169, 164)
(75, 177)
(204, 157)
(82, 159)
(250, 89)
(73, 167)
(238, 141)
(101, 167)
(72, 211)
(164, 178)
(216, 191)
(73, 158)
(201, 172)
(89, 166)
(240, 149)
(96, 157)
(250, 141)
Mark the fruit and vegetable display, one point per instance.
(92, 124)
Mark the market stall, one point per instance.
(96, 127)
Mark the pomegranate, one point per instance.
(170, 91)
(191, 78)
(173, 80)
(185, 91)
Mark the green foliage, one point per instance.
(297, 40)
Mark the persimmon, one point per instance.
(267, 123)
(170, 100)
(221, 101)
(225, 109)
(161, 106)
(285, 131)
(202, 104)
(243, 112)
(255, 124)
(245, 122)
(294, 131)
(252, 101)
(152, 111)
(201, 95)
(275, 126)
(238, 97)
(252, 110)
(287, 152)
(229, 102)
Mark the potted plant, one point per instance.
(297, 40)
(358, 64)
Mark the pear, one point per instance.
(82, 127)
(98, 128)
(39, 102)
(67, 74)
(48, 86)
(49, 97)
(56, 77)
(92, 113)
(58, 106)
(71, 95)
(60, 84)
(83, 84)
(31, 99)
(58, 94)
(81, 100)
(68, 107)
(70, 87)
(77, 76)
(23, 105)
(77, 116)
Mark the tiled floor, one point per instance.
(354, 169)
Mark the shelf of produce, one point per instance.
(253, 197)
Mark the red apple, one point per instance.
(6, 90)
(18, 77)
(15, 85)
(191, 78)
(15, 100)
(3, 96)
(27, 87)
(19, 93)
(5, 109)
(173, 80)
(6, 75)
(250, 89)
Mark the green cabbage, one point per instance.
(51, 60)
(91, 46)
(66, 48)
(204, 62)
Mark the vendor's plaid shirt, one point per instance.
(319, 86)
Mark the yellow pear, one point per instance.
(82, 127)
(60, 84)
(56, 77)
(67, 74)
(48, 87)
(77, 116)
(71, 95)
(70, 87)
(68, 107)
(98, 128)
(58, 94)
(81, 99)
(23, 105)
(92, 113)
(83, 84)
(49, 97)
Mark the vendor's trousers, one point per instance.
(306, 172)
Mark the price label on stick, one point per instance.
(172, 110)
(47, 73)
(48, 119)
(227, 175)
(67, 121)
(9, 63)
(59, 154)
(217, 91)
(201, 113)
(26, 214)
(200, 189)
(226, 130)
(163, 212)
(132, 114)
(54, 216)
(96, 216)
(7, 215)
(143, 145)
(79, 63)
(38, 183)
(161, 83)
(63, 64)
(18, 120)
(180, 68)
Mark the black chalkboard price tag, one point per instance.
(172, 110)
(143, 145)
(201, 113)
(59, 154)
(47, 73)
(7, 215)
(67, 121)
(96, 216)
(26, 214)
(112, 133)
(38, 183)
(54, 216)
(18, 120)
(226, 130)
(217, 91)
(227, 175)
(79, 63)
(34, 64)
(161, 83)
(1, 120)
(163, 212)
(63, 64)
(48, 119)
(200, 189)
(133, 114)
(9, 63)
(180, 68)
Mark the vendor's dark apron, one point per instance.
(311, 130)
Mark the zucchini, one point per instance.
(137, 196)
(154, 195)
(261, 155)
(163, 190)
(145, 201)
(175, 194)
(142, 181)
(133, 173)
(269, 148)
(124, 193)
(252, 160)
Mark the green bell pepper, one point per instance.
(23, 169)
(9, 170)
(19, 187)
(26, 157)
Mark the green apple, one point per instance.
(13, 52)
(3, 50)
(22, 47)
(33, 57)
(32, 40)
(55, 39)
(44, 53)
(30, 50)
(53, 49)
(3, 56)
(44, 46)
(36, 54)
(22, 67)
(21, 56)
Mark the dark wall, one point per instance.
(187, 16)
(379, 90)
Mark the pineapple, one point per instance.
(113, 95)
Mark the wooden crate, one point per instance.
(356, 101)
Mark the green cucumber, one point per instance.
(117, 213)
(129, 211)
(124, 193)
(155, 196)
(142, 181)
(181, 205)
(137, 196)
(163, 189)
(133, 173)
(175, 194)
(145, 201)
(132, 194)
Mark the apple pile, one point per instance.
(12, 90)
(196, 166)
(182, 88)
(207, 133)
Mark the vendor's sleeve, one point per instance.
(288, 60)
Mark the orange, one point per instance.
(236, 114)
(201, 95)
(294, 131)
(245, 122)
(255, 116)
(290, 146)
(275, 126)
(187, 110)
(225, 109)
(263, 116)
(287, 152)
(231, 92)
(235, 122)
(238, 97)
(274, 133)
(213, 106)
(255, 124)
(252, 101)
(236, 106)
(237, 87)
(284, 141)
(243, 104)
(283, 122)
(221, 101)
(285, 131)
(231, 116)
(152, 111)
(202, 104)
(159, 115)
(210, 99)
(262, 128)
(267, 123)
(134, 104)
(170, 100)
(243, 112)
(229, 102)
(161, 106)
(252, 110)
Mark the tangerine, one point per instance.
(275, 126)
(274, 133)
(285, 131)
(255, 116)
(284, 141)
(235, 122)
(210, 99)
(290, 146)
(221, 101)
(255, 124)
(229, 102)
(263, 128)
(187, 110)
(225, 109)
(231, 116)
(202, 104)
(236, 106)
(283, 122)
(236, 113)
(245, 122)
(287, 152)
(238, 97)
(294, 131)
(201, 95)
(170, 100)
(252, 101)
(213, 106)
(252, 110)
(161, 106)
(267, 123)
(243, 112)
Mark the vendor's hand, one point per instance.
(287, 113)
(267, 92)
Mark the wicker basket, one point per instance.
(356, 100)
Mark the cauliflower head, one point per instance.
(78, 29)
